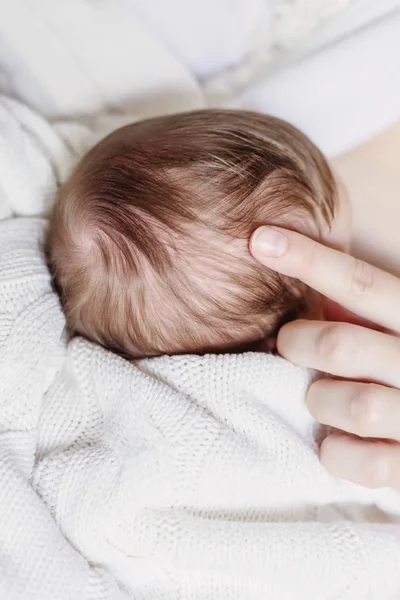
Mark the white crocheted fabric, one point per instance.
(172, 478)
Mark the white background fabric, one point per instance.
(68, 59)
(341, 96)
(331, 68)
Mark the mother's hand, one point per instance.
(368, 414)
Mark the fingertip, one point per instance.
(312, 399)
(287, 336)
(331, 453)
(268, 242)
(282, 338)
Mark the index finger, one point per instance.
(364, 290)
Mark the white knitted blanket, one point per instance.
(176, 478)
(173, 478)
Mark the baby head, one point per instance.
(149, 240)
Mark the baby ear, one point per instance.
(268, 344)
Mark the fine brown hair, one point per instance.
(148, 240)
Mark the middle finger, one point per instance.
(342, 349)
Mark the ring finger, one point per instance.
(370, 463)
(358, 408)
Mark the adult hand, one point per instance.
(365, 404)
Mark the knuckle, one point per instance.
(336, 344)
(306, 256)
(392, 355)
(366, 410)
(362, 277)
(378, 467)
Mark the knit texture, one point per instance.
(177, 477)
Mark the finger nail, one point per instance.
(269, 242)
